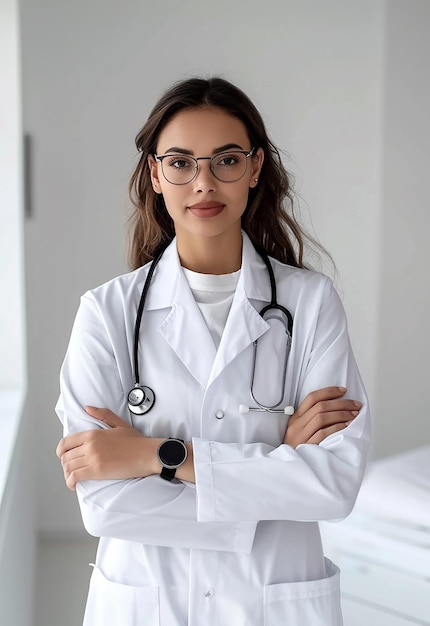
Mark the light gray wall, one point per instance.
(403, 342)
(12, 344)
(317, 72)
(17, 534)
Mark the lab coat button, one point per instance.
(219, 414)
(209, 593)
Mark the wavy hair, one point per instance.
(268, 219)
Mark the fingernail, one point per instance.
(342, 389)
(356, 403)
(354, 413)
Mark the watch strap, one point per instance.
(167, 473)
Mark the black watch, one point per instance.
(171, 454)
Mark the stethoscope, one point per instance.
(141, 398)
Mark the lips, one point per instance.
(206, 209)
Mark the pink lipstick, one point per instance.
(206, 209)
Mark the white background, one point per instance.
(344, 89)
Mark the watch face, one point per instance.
(172, 453)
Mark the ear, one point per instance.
(153, 169)
(257, 163)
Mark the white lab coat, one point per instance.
(241, 547)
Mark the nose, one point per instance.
(205, 181)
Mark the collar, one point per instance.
(169, 280)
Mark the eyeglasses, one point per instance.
(228, 167)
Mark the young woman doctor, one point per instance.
(208, 515)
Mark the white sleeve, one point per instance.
(310, 483)
(148, 510)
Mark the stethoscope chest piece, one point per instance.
(140, 400)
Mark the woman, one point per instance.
(219, 524)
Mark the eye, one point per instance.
(179, 162)
(227, 160)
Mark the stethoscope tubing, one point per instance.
(274, 298)
(139, 316)
(273, 305)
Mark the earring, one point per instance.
(256, 180)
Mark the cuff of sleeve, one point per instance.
(206, 497)
(206, 509)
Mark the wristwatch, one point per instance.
(171, 454)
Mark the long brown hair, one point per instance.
(268, 218)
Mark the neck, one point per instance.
(210, 255)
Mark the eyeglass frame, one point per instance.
(160, 159)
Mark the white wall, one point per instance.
(12, 361)
(403, 343)
(17, 536)
(91, 73)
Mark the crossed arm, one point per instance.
(122, 452)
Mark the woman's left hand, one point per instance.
(119, 452)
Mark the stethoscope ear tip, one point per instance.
(243, 408)
(289, 410)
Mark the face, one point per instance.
(206, 206)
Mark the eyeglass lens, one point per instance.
(182, 169)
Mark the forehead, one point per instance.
(202, 130)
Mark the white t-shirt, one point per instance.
(214, 295)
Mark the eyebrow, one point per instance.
(227, 146)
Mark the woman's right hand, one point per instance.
(322, 413)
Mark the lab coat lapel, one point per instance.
(244, 323)
(184, 328)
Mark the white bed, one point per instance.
(383, 548)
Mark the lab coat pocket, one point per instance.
(310, 603)
(115, 604)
